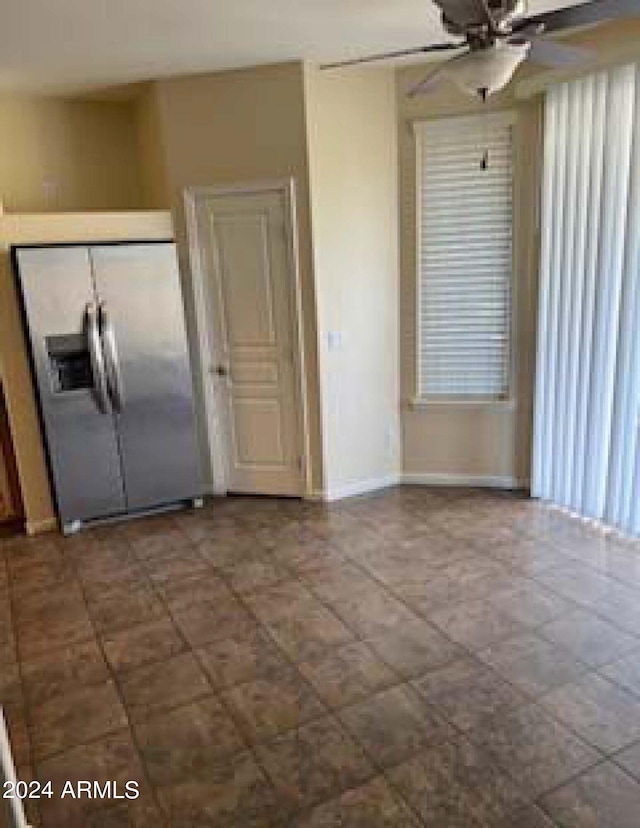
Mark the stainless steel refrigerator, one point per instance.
(110, 362)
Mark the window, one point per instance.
(465, 256)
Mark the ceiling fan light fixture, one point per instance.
(486, 71)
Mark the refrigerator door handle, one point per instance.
(112, 361)
(96, 357)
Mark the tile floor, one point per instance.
(415, 658)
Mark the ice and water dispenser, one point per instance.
(69, 362)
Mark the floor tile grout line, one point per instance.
(357, 635)
(598, 759)
(415, 756)
(328, 711)
(398, 597)
(466, 651)
(613, 758)
(590, 667)
(568, 726)
(249, 745)
(38, 760)
(86, 743)
(530, 701)
(527, 699)
(529, 629)
(335, 794)
(613, 680)
(585, 771)
(214, 691)
(121, 700)
(527, 702)
(367, 638)
(587, 607)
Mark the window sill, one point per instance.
(421, 403)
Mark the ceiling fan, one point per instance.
(496, 40)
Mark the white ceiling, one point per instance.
(73, 45)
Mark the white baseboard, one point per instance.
(417, 479)
(360, 487)
(39, 527)
(464, 480)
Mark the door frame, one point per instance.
(205, 326)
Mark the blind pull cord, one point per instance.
(484, 161)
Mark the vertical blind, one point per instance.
(587, 403)
(465, 199)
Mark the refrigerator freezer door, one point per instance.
(58, 295)
(145, 344)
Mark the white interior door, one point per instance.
(246, 261)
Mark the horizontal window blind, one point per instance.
(465, 230)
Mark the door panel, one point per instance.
(57, 287)
(138, 287)
(243, 244)
(256, 373)
(257, 433)
(250, 290)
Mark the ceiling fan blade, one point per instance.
(428, 84)
(557, 55)
(585, 14)
(434, 79)
(416, 50)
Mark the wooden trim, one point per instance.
(40, 527)
(57, 228)
(9, 482)
(217, 457)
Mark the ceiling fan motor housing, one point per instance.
(466, 17)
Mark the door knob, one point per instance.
(221, 371)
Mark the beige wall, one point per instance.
(67, 155)
(243, 126)
(352, 162)
(14, 367)
(153, 170)
(483, 443)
